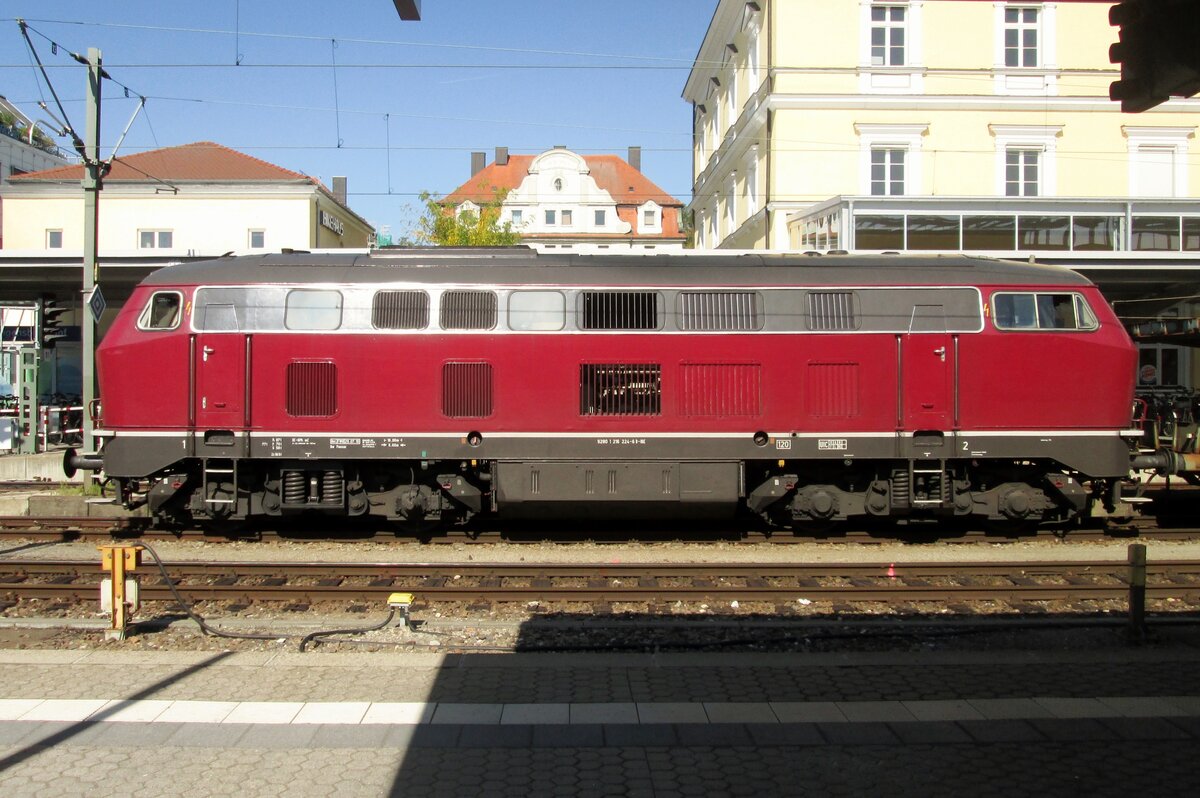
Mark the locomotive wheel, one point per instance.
(224, 527)
(1011, 528)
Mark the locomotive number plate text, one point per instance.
(832, 444)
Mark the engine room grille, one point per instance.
(720, 389)
(832, 389)
(718, 310)
(620, 389)
(831, 310)
(468, 310)
(619, 310)
(400, 310)
(467, 390)
(311, 388)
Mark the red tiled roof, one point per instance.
(201, 160)
(612, 173)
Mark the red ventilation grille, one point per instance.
(311, 389)
(720, 389)
(832, 389)
(467, 390)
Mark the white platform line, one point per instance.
(355, 713)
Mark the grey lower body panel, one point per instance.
(1102, 453)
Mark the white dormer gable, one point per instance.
(650, 217)
(560, 181)
(467, 207)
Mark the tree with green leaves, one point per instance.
(444, 226)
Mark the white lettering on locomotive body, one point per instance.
(342, 443)
(783, 443)
(832, 444)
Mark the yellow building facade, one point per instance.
(798, 102)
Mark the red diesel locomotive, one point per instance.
(427, 386)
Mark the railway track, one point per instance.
(775, 584)
(73, 528)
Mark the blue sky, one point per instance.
(408, 101)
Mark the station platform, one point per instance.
(1108, 720)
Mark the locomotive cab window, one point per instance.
(307, 309)
(1030, 311)
(162, 311)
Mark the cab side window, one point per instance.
(1036, 311)
(162, 312)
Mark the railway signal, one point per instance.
(1157, 52)
(50, 326)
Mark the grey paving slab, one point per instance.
(1009, 708)
(671, 712)
(277, 735)
(345, 736)
(875, 711)
(648, 734)
(535, 714)
(468, 713)
(1187, 704)
(596, 713)
(572, 735)
(1140, 707)
(207, 735)
(495, 736)
(108, 735)
(15, 731)
(943, 710)
(749, 712)
(1075, 707)
(423, 736)
(1073, 729)
(1002, 731)
(930, 733)
(1145, 728)
(713, 734)
(808, 712)
(858, 734)
(784, 734)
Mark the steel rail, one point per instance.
(631, 582)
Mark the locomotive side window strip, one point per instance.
(400, 310)
(311, 388)
(619, 310)
(832, 310)
(537, 310)
(467, 390)
(161, 312)
(720, 389)
(720, 310)
(1038, 311)
(311, 309)
(468, 310)
(620, 389)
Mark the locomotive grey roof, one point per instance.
(521, 266)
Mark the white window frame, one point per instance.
(550, 217)
(250, 238)
(884, 79)
(1023, 156)
(731, 206)
(516, 217)
(52, 231)
(1141, 139)
(1028, 137)
(1041, 79)
(886, 136)
(566, 217)
(655, 210)
(156, 234)
(752, 75)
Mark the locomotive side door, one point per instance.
(220, 360)
(927, 357)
